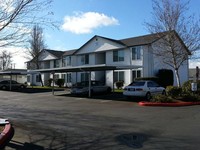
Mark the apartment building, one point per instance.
(107, 60)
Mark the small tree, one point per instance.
(182, 36)
(5, 60)
(17, 17)
(36, 46)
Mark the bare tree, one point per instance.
(36, 46)
(182, 36)
(5, 60)
(18, 16)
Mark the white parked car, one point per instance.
(143, 89)
(82, 88)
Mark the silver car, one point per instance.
(143, 89)
(82, 88)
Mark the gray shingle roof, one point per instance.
(69, 52)
(143, 40)
(56, 53)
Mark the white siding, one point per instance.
(98, 44)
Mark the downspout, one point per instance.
(89, 84)
(113, 86)
(10, 82)
(53, 83)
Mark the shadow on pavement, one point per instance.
(111, 96)
(24, 146)
(34, 90)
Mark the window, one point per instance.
(118, 76)
(68, 59)
(37, 78)
(28, 78)
(56, 76)
(136, 74)
(56, 64)
(63, 76)
(69, 77)
(136, 53)
(63, 62)
(84, 77)
(85, 59)
(118, 55)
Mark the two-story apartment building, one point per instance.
(107, 60)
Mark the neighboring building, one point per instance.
(131, 57)
(192, 74)
(19, 75)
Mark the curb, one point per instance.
(175, 104)
(6, 135)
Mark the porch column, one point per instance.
(113, 82)
(53, 82)
(10, 82)
(89, 84)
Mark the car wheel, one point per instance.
(164, 92)
(22, 87)
(148, 96)
(91, 93)
(3, 87)
(108, 90)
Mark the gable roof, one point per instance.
(96, 36)
(69, 52)
(56, 53)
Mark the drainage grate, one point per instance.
(132, 140)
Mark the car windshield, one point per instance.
(137, 83)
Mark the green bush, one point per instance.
(119, 84)
(173, 91)
(60, 82)
(187, 87)
(190, 97)
(161, 99)
(48, 82)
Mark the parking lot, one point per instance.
(63, 122)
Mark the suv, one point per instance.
(82, 88)
(5, 85)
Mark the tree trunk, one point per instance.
(177, 78)
(40, 77)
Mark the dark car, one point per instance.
(96, 87)
(6, 84)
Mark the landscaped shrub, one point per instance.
(60, 82)
(119, 84)
(161, 99)
(173, 91)
(187, 86)
(48, 82)
(166, 77)
(190, 97)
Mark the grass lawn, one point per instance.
(45, 87)
(118, 90)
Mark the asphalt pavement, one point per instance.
(104, 122)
